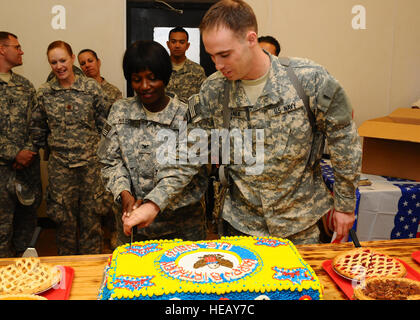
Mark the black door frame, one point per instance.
(165, 11)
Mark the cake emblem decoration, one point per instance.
(296, 276)
(213, 261)
(209, 262)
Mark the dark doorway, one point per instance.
(143, 16)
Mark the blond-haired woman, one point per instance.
(67, 123)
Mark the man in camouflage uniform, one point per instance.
(288, 197)
(68, 122)
(187, 76)
(20, 184)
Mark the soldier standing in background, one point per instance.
(130, 147)
(270, 44)
(252, 90)
(20, 183)
(91, 66)
(187, 76)
(67, 121)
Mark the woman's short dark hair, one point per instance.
(90, 51)
(147, 55)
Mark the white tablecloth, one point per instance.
(387, 209)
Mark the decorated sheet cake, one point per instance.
(235, 268)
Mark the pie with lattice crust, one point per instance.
(388, 289)
(364, 263)
(21, 297)
(28, 276)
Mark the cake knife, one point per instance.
(133, 231)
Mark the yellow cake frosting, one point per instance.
(232, 268)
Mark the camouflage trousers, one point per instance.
(74, 196)
(307, 236)
(17, 222)
(188, 223)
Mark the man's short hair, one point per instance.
(271, 40)
(4, 35)
(235, 15)
(178, 29)
(147, 55)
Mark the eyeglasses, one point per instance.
(17, 47)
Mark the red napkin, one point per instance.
(61, 291)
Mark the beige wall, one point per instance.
(379, 67)
(95, 24)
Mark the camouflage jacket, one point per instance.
(289, 194)
(129, 152)
(112, 94)
(186, 81)
(68, 121)
(17, 101)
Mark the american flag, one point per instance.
(407, 219)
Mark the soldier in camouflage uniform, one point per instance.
(19, 161)
(91, 66)
(270, 44)
(129, 148)
(67, 122)
(187, 76)
(288, 197)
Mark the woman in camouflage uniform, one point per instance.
(129, 147)
(67, 122)
(91, 66)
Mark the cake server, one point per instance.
(355, 239)
(31, 251)
(358, 245)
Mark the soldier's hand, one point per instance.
(25, 158)
(343, 222)
(141, 217)
(127, 202)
